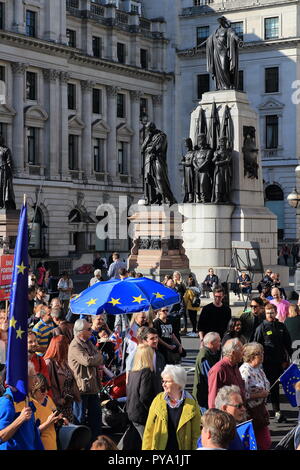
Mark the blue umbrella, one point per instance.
(123, 296)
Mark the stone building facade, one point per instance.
(78, 75)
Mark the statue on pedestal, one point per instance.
(156, 182)
(188, 180)
(222, 56)
(202, 163)
(222, 173)
(7, 196)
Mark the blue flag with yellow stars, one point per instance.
(17, 362)
(247, 436)
(288, 380)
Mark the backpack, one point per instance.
(196, 300)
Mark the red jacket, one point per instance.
(223, 373)
(41, 368)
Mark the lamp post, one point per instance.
(294, 201)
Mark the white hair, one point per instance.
(210, 338)
(230, 346)
(79, 325)
(224, 394)
(97, 272)
(177, 373)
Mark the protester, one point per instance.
(3, 337)
(285, 253)
(174, 418)
(180, 287)
(251, 320)
(40, 297)
(266, 280)
(276, 341)
(292, 323)
(63, 327)
(226, 371)
(214, 316)
(218, 430)
(207, 357)
(31, 296)
(55, 303)
(97, 277)
(168, 343)
(281, 305)
(176, 311)
(43, 330)
(45, 413)
(244, 283)
(84, 360)
(113, 270)
(38, 361)
(18, 429)
(65, 288)
(209, 283)
(192, 303)
(104, 443)
(257, 387)
(98, 322)
(40, 274)
(63, 383)
(106, 347)
(234, 330)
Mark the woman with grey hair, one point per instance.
(97, 277)
(174, 417)
(257, 386)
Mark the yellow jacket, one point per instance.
(188, 299)
(156, 429)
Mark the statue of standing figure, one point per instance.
(222, 173)
(156, 182)
(222, 55)
(188, 179)
(7, 196)
(203, 168)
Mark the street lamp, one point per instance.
(294, 201)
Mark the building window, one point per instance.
(3, 127)
(73, 152)
(135, 9)
(97, 46)
(271, 80)
(122, 158)
(144, 58)
(71, 37)
(275, 202)
(97, 101)
(120, 105)
(98, 145)
(2, 73)
(272, 28)
(2, 15)
(202, 84)
(198, 3)
(143, 107)
(241, 80)
(121, 52)
(202, 34)
(272, 132)
(31, 86)
(238, 28)
(30, 23)
(32, 153)
(71, 96)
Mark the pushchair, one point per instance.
(113, 400)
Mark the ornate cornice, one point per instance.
(87, 85)
(112, 91)
(18, 68)
(51, 75)
(64, 77)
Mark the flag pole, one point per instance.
(24, 199)
(282, 375)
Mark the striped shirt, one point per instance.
(43, 333)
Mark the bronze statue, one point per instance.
(222, 173)
(222, 55)
(188, 180)
(202, 163)
(154, 148)
(250, 152)
(7, 196)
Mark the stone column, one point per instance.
(87, 87)
(63, 22)
(157, 110)
(18, 122)
(52, 126)
(111, 92)
(64, 126)
(19, 23)
(135, 159)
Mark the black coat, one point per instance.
(140, 392)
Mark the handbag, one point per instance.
(260, 416)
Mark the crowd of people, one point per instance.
(70, 359)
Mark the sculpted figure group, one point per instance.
(207, 174)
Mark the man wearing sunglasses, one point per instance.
(252, 319)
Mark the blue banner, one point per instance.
(247, 436)
(288, 380)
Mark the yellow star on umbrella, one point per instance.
(21, 268)
(158, 295)
(137, 299)
(12, 322)
(114, 301)
(91, 302)
(19, 332)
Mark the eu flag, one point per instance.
(16, 362)
(288, 380)
(247, 436)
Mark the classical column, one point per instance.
(18, 122)
(52, 126)
(157, 110)
(135, 159)
(64, 126)
(63, 22)
(19, 23)
(87, 87)
(111, 92)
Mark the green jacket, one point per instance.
(156, 429)
(204, 362)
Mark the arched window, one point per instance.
(275, 202)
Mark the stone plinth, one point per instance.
(9, 223)
(157, 242)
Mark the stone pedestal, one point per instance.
(157, 242)
(9, 223)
